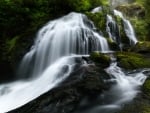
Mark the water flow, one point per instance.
(113, 30)
(97, 9)
(71, 34)
(124, 88)
(18, 93)
(127, 27)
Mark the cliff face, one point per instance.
(115, 3)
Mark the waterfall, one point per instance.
(128, 28)
(113, 30)
(52, 58)
(71, 34)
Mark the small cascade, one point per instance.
(130, 32)
(97, 9)
(128, 28)
(71, 34)
(113, 30)
(125, 86)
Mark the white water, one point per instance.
(97, 9)
(18, 93)
(124, 89)
(71, 34)
(128, 28)
(112, 29)
(45, 62)
(126, 86)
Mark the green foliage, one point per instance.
(10, 44)
(140, 28)
(147, 7)
(99, 20)
(100, 58)
(142, 47)
(130, 60)
(146, 87)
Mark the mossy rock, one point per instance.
(139, 106)
(146, 87)
(132, 10)
(130, 60)
(113, 45)
(142, 47)
(99, 19)
(100, 58)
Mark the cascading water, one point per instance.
(97, 9)
(128, 28)
(72, 34)
(125, 86)
(53, 57)
(113, 30)
(55, 48)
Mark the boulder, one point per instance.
(101, 59)
(142, 47)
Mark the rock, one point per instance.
(146, 88)
(100, 59)
(130, 60)
(142, 47)
(85, 81)
(132, 10)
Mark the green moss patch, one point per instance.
(146, 87)
(130, 60)
(100, 58)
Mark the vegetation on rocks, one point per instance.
(146, 88)
(100, 58)
(99, 20)
(130, 60)
(142, 47)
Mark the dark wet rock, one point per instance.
(142, 47)
(87, 80)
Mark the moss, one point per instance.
(132, 10)
(99, 20)
(10, 44)
(146, 87)
(113, 45)
(140, 28)
(142, 47)
(129, 60)
(136, 12)
(100, 58)
(136, 107)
